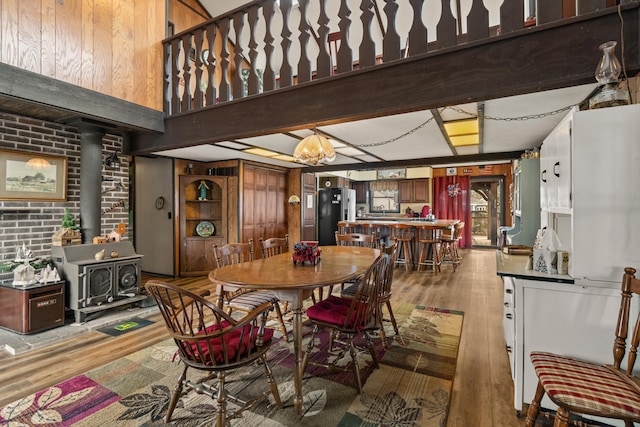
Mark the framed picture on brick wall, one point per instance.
(32, 176)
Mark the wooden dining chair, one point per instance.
(449, 242)
(210, 340)
(581, 387)
(355, 239)
(350, 318)
(245, 300)
(385, 294)
(274, 246)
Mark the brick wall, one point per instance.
(36, 221)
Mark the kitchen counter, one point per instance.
(516, 266)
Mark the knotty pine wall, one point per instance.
(110, 46)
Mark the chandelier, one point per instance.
(314, 149)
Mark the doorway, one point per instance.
(487, 210)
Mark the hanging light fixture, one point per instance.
(314, 149)
(38, 163)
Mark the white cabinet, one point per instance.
(555, 169)
(564, 318)
(591, 196)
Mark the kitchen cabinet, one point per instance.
(598, 153)
(203, 221)
(414, 191)
(555, 168)
(551, 313)
(361, 187)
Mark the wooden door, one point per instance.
(421, 190)
(405, 191)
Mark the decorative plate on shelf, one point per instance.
(205, 229)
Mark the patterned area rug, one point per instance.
(411, 387)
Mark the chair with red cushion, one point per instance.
(349, 318)
(210, 340)
(582, 387)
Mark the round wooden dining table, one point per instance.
(295, 283)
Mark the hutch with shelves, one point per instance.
(203, 221)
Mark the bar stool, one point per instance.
(374, 230)
(449, 245)
(428, 238)
(347, 227)
(402, 233)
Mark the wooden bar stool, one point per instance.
(449, 245)
(348, 227)
(402, 233)
(374, 230)
(428, 238)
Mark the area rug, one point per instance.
(411, 387)
(125, 326)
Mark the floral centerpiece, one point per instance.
(306, 251)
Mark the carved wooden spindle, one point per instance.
(223, 89)
(367, 46)
(446, 28)
(324, 57)
(198, 96)
(345, 55)
(418, 31)
(286, 71)
(186, 75)
(210, 61)
(175, 76)
(391, 41)
(304, 64)
(254, 80)
(269, 75)
(511, 16)
(478, 21)
(238, 81)
(170, 81)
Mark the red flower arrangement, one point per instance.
(306, 251)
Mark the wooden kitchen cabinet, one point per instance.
(361, 188)
(196, 241)
(414, 191)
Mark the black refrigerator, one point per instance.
(334, 205)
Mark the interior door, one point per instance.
(153, 214)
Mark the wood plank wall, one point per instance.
(110, 46)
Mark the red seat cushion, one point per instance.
(234, 345)
(581, 384)
(333, 310)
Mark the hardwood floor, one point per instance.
(482, 390)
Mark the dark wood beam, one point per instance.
(68, 100)
(556, 55)
(427, 161)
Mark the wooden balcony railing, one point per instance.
(276, 45)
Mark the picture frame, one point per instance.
(400, 173)
(32, 176)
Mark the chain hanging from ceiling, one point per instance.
(461, 111)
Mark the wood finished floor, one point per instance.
(482, 391)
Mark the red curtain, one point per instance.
(451, 201)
